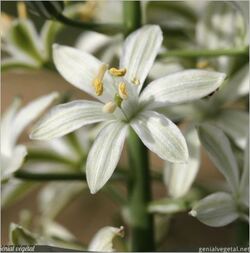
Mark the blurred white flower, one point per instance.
(122, 104)
(13, 123)
(225, 25)
(221, 208)
(103, 239)
(54, 234)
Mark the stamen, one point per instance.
(21, 10)
(97, 82)
(109, 107)
(102, 71)
(135, 81)
(98, 85)
(122, 89)
(117, 72)
(202, 64)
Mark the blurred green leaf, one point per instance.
(21, 236)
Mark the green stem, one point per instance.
(44, 155)
(139, 190)
(132, 15)
(25, 175)
(189, 53)
(107, 28)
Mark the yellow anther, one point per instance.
(109, 107)
(122, 89)
(135, 81)
(202, 64)
(117, 72)
(21, 10)
(98, 85)
(97, 82)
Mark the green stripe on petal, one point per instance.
(216, 210)
(66, 118)
(181, 87)
(161, 136)
(139, 52)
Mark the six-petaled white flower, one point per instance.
(123, 102)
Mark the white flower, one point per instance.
(122, 88)
(12, 125)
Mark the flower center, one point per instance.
(122, 93)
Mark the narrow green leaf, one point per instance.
(23, 35)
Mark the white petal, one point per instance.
(91, 41)
(6, 127)
(244, 182)
(220, 152)
(30, 112)
(216, 210)
(139, 52)
(236, 87)
(12, 163)
(161, 136)
(235, 123)
(66, 118)
(181, 87)
(105, 154)
(179, 177)
(80, 69)
(103, 239)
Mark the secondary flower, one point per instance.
(24, 46)
(123, 102)
(12, 125)
(222, 208)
